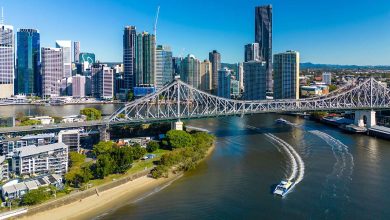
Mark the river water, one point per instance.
(342, 176)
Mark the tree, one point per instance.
(104, 166)
(36, 196)
(179, 139)
(123, 157)
(76, 159)
(332, 88)
(91, 113)
(138, 151)
(103, 147)
(30, 122)
(152, 146)
(130, 96)
(202, 139)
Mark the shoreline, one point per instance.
(111, 199)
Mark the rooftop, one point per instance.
(32, 149)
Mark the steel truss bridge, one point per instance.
(179, 100)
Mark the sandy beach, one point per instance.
(108, 200)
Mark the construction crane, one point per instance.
(155, 23)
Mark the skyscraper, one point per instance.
(215, 59)
(252, 52)
(86, 60)
(66, 46)
(52, 71)
(145, 60)
(163, 66)
(28, 74)
(7, 63)
(190, 72)
(254, 80)
(224, 82)
(107, 83)
(241, 75)
(129, 43)
(206, 76)
(76, 51)
(78, 86)
(176, 63)
(263, 36)
(286, 75)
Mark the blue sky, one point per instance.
(323, 31)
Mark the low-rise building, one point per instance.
(73, 119)
(314, 90)
(39, 139)
(45, 120)
(4, 169)
(33, 160)
(16, 189)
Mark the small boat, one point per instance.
(281, 121)
(283, 187)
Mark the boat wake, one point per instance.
(297, 164)
(336, 183)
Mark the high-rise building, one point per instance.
(96, 69)
(70, 138)
(66, 86)
(190, 72)
(107, 83)
(176, 63)
(163, 66)
(76, 51)
(52, 71)
(255, 86)
(327, 78)
(215, 59)
(86, 60)
(252, 52)
(129, 44)
(66, 46)
(286, 75)
(145, 60)
(241, 76)
(7, 62)
(78, 86)
(263, 36)
(28, 74)
(224, 82)
(206, 76)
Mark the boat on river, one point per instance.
(284, 187)
(281, 121)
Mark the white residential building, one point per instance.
(52, 158)
(45, 120)
(4, 169)
(66, 46)
(71, 138)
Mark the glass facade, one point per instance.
(163, 66)
(286, 75)
(255, 80)
(190, 72)
(129, 44)
(145, 60)
(28, 77)
(263, 36)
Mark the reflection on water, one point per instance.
(236, 182)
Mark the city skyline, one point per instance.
(327, 34)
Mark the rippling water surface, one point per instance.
(345, 176)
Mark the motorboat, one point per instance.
(281, 121)
(284, 187)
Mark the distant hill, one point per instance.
(335, 66)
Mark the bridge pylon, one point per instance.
(177, 125)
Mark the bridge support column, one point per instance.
(365, 118)
(104, 133)
(177, 125)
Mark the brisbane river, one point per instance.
(339, 176)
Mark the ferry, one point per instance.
(281, 121)
(283, 188)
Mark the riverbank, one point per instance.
(104, 202)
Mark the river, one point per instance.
(343, 176)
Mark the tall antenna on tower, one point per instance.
(155, 23)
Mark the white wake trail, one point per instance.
(297, 158)
(294, 166)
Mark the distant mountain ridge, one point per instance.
(309, 65)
